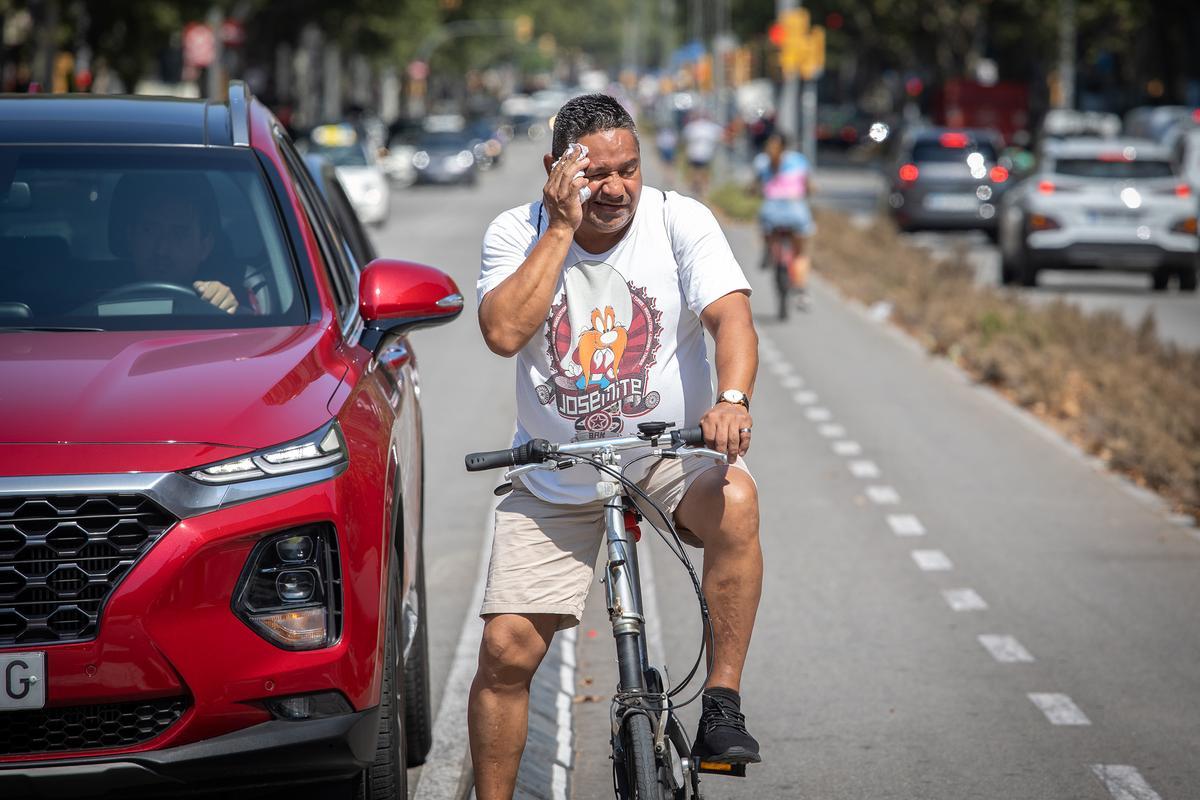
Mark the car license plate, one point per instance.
(22, 681)
(951, 202)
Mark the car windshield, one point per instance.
(925, 152)
(1114, 168)
(141, 239)
(354, 155)
(443, 141)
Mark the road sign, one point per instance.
(199, 45)
(812, 61)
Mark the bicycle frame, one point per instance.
(639, 681)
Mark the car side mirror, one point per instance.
(396, 297)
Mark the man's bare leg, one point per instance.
(721, 509)
(513, 646)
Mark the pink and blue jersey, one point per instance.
(789, 182)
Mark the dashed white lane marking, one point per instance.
(791, 381)
(964, 600)
(444, 765)
(1124, 782)
(805, 398)
(832, 431)
(932, 560)
(847, 448)
(905, 525)
(566, 697)
(818, 414)
(780, 368)
(864, 469)
(883, 495)
(1058, 708)
(1005, 649)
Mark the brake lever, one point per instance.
(701, 451)
(551, 466)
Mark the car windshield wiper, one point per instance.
(54, 328)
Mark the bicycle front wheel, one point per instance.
(640, 777)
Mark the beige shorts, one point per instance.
(544, 554)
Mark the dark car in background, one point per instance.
(446, 157)
(947, 178)
(211, 569)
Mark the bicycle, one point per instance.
(780, 253)
(651, 752)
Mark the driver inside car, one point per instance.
(170, 231)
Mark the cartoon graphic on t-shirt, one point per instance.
(602, 337)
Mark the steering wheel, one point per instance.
(141, 289)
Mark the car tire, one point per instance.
(1026, 272)
(1009, 269)
(418, 714)
(387, 778)
(1160, 279)
(1188, 278)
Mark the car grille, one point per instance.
(61, 556)
(54, 730)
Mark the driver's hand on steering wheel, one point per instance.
(216, 293)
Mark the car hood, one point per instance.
(247, 388)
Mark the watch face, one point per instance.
(732, 396)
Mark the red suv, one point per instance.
(210, 462)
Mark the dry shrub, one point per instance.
(1117, 391)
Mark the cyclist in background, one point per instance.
(784, 179)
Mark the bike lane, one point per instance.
(956, 603)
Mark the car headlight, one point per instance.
(290, 592)
(324, 447)
(420, 159)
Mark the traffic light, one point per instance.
(523, 28)
(801, 44)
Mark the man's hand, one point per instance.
(726, 429)
(218, 294)
(560, 196)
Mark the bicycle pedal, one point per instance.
(717, 768)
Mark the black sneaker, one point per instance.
(722, 736)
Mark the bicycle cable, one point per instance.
(708, 635)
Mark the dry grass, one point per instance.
(1117, 392)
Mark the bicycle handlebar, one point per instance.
(536, 451)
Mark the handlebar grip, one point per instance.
(689, 436)
(532, 452)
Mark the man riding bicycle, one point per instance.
(783, 177)
(604, 298)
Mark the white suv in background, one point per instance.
(1107, 204)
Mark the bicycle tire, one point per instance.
(783, 287)
(640, 777)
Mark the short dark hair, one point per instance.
(586, 114)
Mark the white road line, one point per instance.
(864, 469)
(964, 600)
(791, 381)
(565, 701)
(818, 414)
(932, 560)
(444, 765)
(847, 448)
(780, 367)
(883, 495)
(1005, 649)
(1058, 708)
(905, 525)
(805, 398)
(832, 431)
(1124, 782)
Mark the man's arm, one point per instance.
(729, 321)
(510, 314)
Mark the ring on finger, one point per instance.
(743, 430)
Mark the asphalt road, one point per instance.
(858, 189)
(893, 493)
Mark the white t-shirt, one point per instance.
(701, 137)
(623, 342)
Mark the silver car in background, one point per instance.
(1101, 204)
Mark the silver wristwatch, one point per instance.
(734, 396)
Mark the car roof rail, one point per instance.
(239, 113)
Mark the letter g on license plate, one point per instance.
(22, 681)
